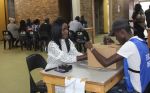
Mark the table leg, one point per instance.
(93, 37)
(50, 88)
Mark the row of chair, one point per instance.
(28, 40)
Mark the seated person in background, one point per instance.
(61, 49)
(29, 24)
(13, 28)
(45, 31)
(75, 25)
(135, 53)
(23, 26)
(36, 25)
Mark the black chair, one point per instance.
(72, 36)
(7, 37)
(23, 38)
(34, 40)
(36, 61)
(81, 38)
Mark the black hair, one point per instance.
(47, 20)
(138, 7)
(77, 18)
(23, 26)
(120, 24)
(36, 21)
(28, 22)
(57, 33)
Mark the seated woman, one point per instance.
(61, 49)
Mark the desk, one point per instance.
(91, 30)
(98, 81)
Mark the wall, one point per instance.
(106, 15)
(118, 9)
(76, 8)
(65, 9)
(2, 17)
(86, 10)
(36, 9)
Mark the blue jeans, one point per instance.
(120, 88)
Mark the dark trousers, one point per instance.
(120, 88)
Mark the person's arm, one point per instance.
(82, 57)
(60, 56)
(104, 61)
(74, 51)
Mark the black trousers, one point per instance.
(120, 88)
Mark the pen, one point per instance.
(50, 69)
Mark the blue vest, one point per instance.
(144, 66)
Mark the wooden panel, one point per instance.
(113, 81)
(51, 81)
(2, 17)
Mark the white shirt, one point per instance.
(75, 26)
(13, 28)
(58, 57)
(130, 51)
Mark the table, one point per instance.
(91, 30)
(98, 81)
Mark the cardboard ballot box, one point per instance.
(106, 51)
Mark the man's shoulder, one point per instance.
(147, 11)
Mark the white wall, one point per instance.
(76, 8)
(145, 5)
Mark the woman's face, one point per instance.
(64, 31)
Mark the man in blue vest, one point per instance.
(135, 53)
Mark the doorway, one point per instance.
(99, 16)
(65, 9)
(2, 17)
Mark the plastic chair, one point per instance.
(36, 61)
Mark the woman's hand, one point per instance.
(82, 57)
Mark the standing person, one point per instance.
(45, 31)
(139, 21)
(13, 28)
(75, 25)
(83, 22)
(147, 13)
(136, 62)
